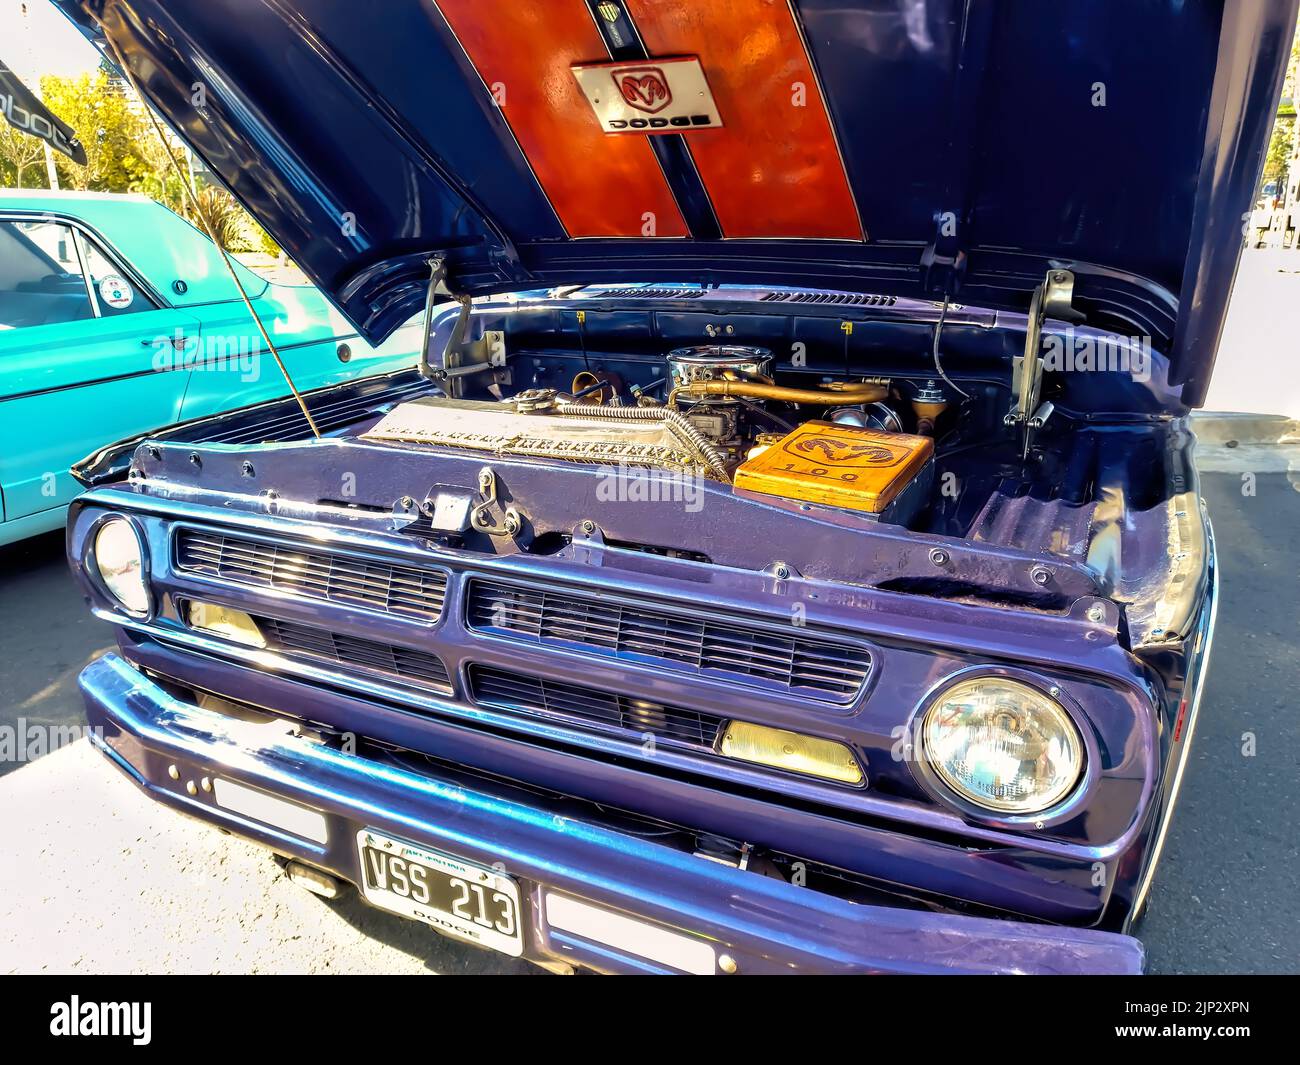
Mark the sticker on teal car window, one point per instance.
(115, 291)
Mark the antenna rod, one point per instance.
(225, 256)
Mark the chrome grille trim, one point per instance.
(807, 665)
(312, 573)
(504, 689)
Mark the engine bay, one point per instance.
(901, 415)
(716, 412)
(886, 450)
(808, 407)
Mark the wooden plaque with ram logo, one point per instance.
(839, 466)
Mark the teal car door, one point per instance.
(88, 356)
(318, 347)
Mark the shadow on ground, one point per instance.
(47, 635)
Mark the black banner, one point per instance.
(991, 1017)
(25, 112)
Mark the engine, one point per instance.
(717, 412)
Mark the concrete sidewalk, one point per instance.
(1228, 442)
(98, 879)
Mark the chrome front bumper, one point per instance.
(751, 923)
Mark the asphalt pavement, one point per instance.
(95, 878)
(1227, 894)
(46, 636)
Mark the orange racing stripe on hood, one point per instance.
(774, 168)
(600, 185)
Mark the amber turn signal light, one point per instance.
(791, 751)
(224, 622)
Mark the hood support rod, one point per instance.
(225, 256)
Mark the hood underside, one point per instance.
(905, 147)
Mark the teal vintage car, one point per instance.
(117, 317)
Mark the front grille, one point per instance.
(313, 574)
(523, 693)
(804, 665)
(419, 667)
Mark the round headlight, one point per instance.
(1002, 745)
(120, 563)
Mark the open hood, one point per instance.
(906, 147)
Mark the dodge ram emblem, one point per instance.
(838, 451)
(644, 88)
(667, 94)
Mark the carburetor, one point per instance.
(721, 418)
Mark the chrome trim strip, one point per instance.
(1206, 634)
(180, 365)
(78, 242)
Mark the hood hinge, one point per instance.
(460, 356)
(1052, 299)
(438, 287)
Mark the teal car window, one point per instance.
(110, 286)
(41, 279)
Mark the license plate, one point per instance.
(460, 898)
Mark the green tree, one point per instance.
(123, 154)
(1278, 159)
(1279, 147)
(111, 132)
(219, 213)
(22, 159)
(158, 179)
